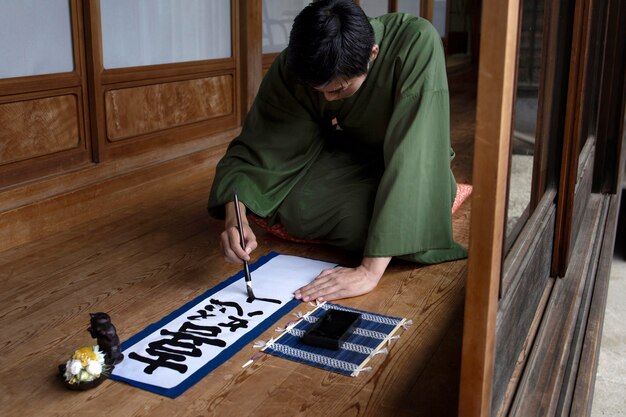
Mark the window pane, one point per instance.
(149, 32)
(278, 17)
(409, 6)
(375, 8)
(35, 37)
(439, 16)
(523, 145)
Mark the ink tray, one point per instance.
(332, 329)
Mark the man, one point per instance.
(379, 180)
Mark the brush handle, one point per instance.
(246, 268)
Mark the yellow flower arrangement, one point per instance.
(85, 365)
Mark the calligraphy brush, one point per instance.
(246, 269)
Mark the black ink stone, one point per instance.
(332, 329)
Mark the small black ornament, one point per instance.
(104, 332)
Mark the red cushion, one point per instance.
(462, 192)
(277, 230)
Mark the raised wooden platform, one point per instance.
(153, 248)
(148, 258)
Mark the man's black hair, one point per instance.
(330, 39)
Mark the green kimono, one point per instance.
(379, 181)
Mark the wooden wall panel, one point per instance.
(582, 191)
(140, 110)
(38, 127)
(520, 304)
(583, 393)
(540, 388)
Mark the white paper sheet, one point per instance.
(198, 333)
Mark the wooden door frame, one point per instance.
(570, 203)
(102, 80)
(33, 87)
(496, 83)
(526, 283)
(607, 173)
(426, 9)
(574, 189)
(251, 51)
(35, 83)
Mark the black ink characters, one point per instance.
(172, 351)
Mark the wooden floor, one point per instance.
(150, 257)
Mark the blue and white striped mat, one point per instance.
(370, 337)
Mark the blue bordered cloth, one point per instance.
(373, 333)
(171, 355)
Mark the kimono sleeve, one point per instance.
(279, 141)
(413, 209)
